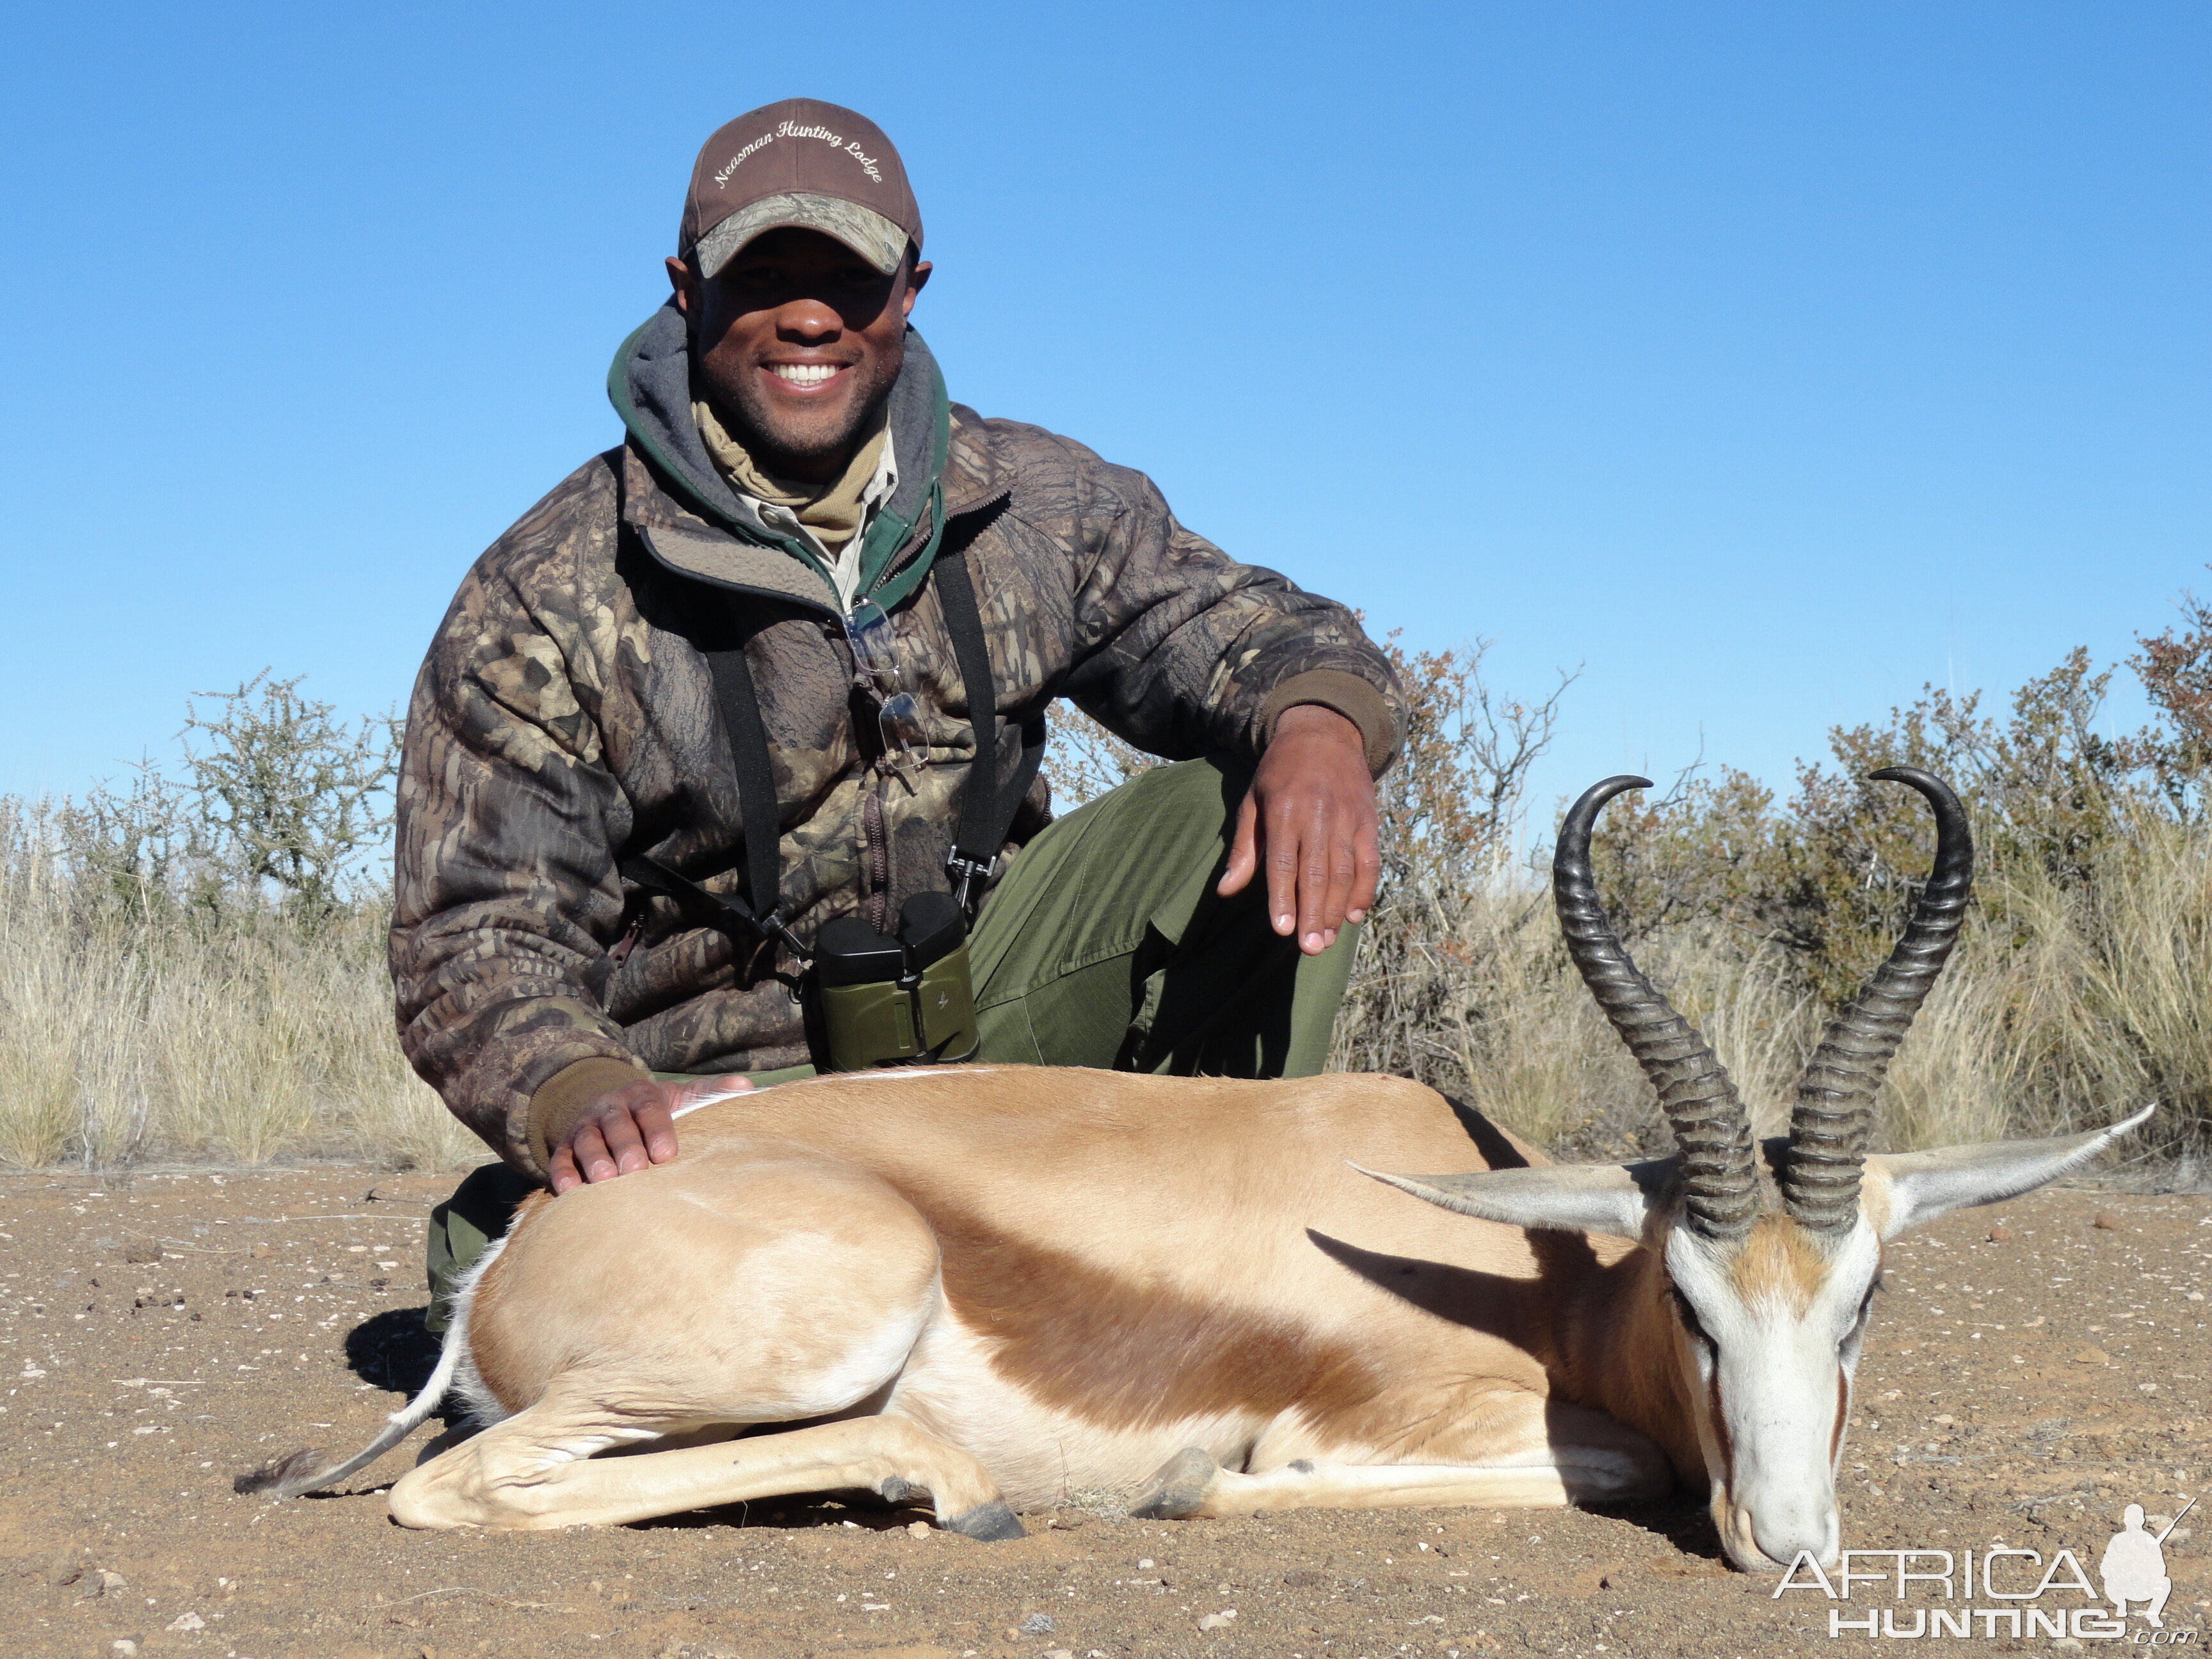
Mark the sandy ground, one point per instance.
(163, 1332)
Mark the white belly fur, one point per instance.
(1042, 1457)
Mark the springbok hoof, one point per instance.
(990, 1521)
(1179, 1488)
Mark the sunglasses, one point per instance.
(899, 718)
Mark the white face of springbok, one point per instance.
(1765, 1303)
(1767, 1340)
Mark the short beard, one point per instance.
(776, 443)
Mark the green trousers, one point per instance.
(1103, 946)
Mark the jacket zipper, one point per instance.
(875, 860)
(628, 942)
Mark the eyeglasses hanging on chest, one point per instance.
(877, 669)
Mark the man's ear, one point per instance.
(1906, 1188)
(1595, 1197)
(685, 286)
(917, 278)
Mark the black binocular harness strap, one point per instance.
(748, 756)
(986, 812)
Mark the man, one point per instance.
(784, 545)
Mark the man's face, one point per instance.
(798, 338)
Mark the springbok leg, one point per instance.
(1530, 1454)
(535, 1474)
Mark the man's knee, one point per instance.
(1173, 822)
(1206, 792)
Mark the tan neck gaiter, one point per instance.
(831, 511)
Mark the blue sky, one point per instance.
(1765, 360)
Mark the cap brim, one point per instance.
(864, 230)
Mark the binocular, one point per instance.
(897, 998)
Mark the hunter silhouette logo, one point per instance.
(2134, 1567)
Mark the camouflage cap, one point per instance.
(798, 163)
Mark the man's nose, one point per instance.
(808, 322)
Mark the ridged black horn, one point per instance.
(1710, 1123)
(1834, 1111)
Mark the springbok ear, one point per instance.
(1593, 1198)
(1922, 1185)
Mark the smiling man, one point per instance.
(774, 602)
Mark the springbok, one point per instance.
(998, 1287)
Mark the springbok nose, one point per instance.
(1780, 1532)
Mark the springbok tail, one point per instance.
(291, 1476)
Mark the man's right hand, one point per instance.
(631, 1128)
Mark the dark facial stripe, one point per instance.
(1720, 1425)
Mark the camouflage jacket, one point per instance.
(565, 719)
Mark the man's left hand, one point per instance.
(1310, 815)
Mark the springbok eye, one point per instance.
(1856, 1329)
(1690, 1322)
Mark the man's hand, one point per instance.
(1310, 816)
(631, 1130)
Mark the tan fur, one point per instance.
(1874, 1197)
(493, 1353)
(1778, 1260)
(1053, 1282)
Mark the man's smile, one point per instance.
(805, 377)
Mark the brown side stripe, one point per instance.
(1122, 1354)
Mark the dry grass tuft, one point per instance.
(2071, 1010)
(128, 1036)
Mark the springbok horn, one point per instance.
(1710, 1123)
(1834, 1110)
